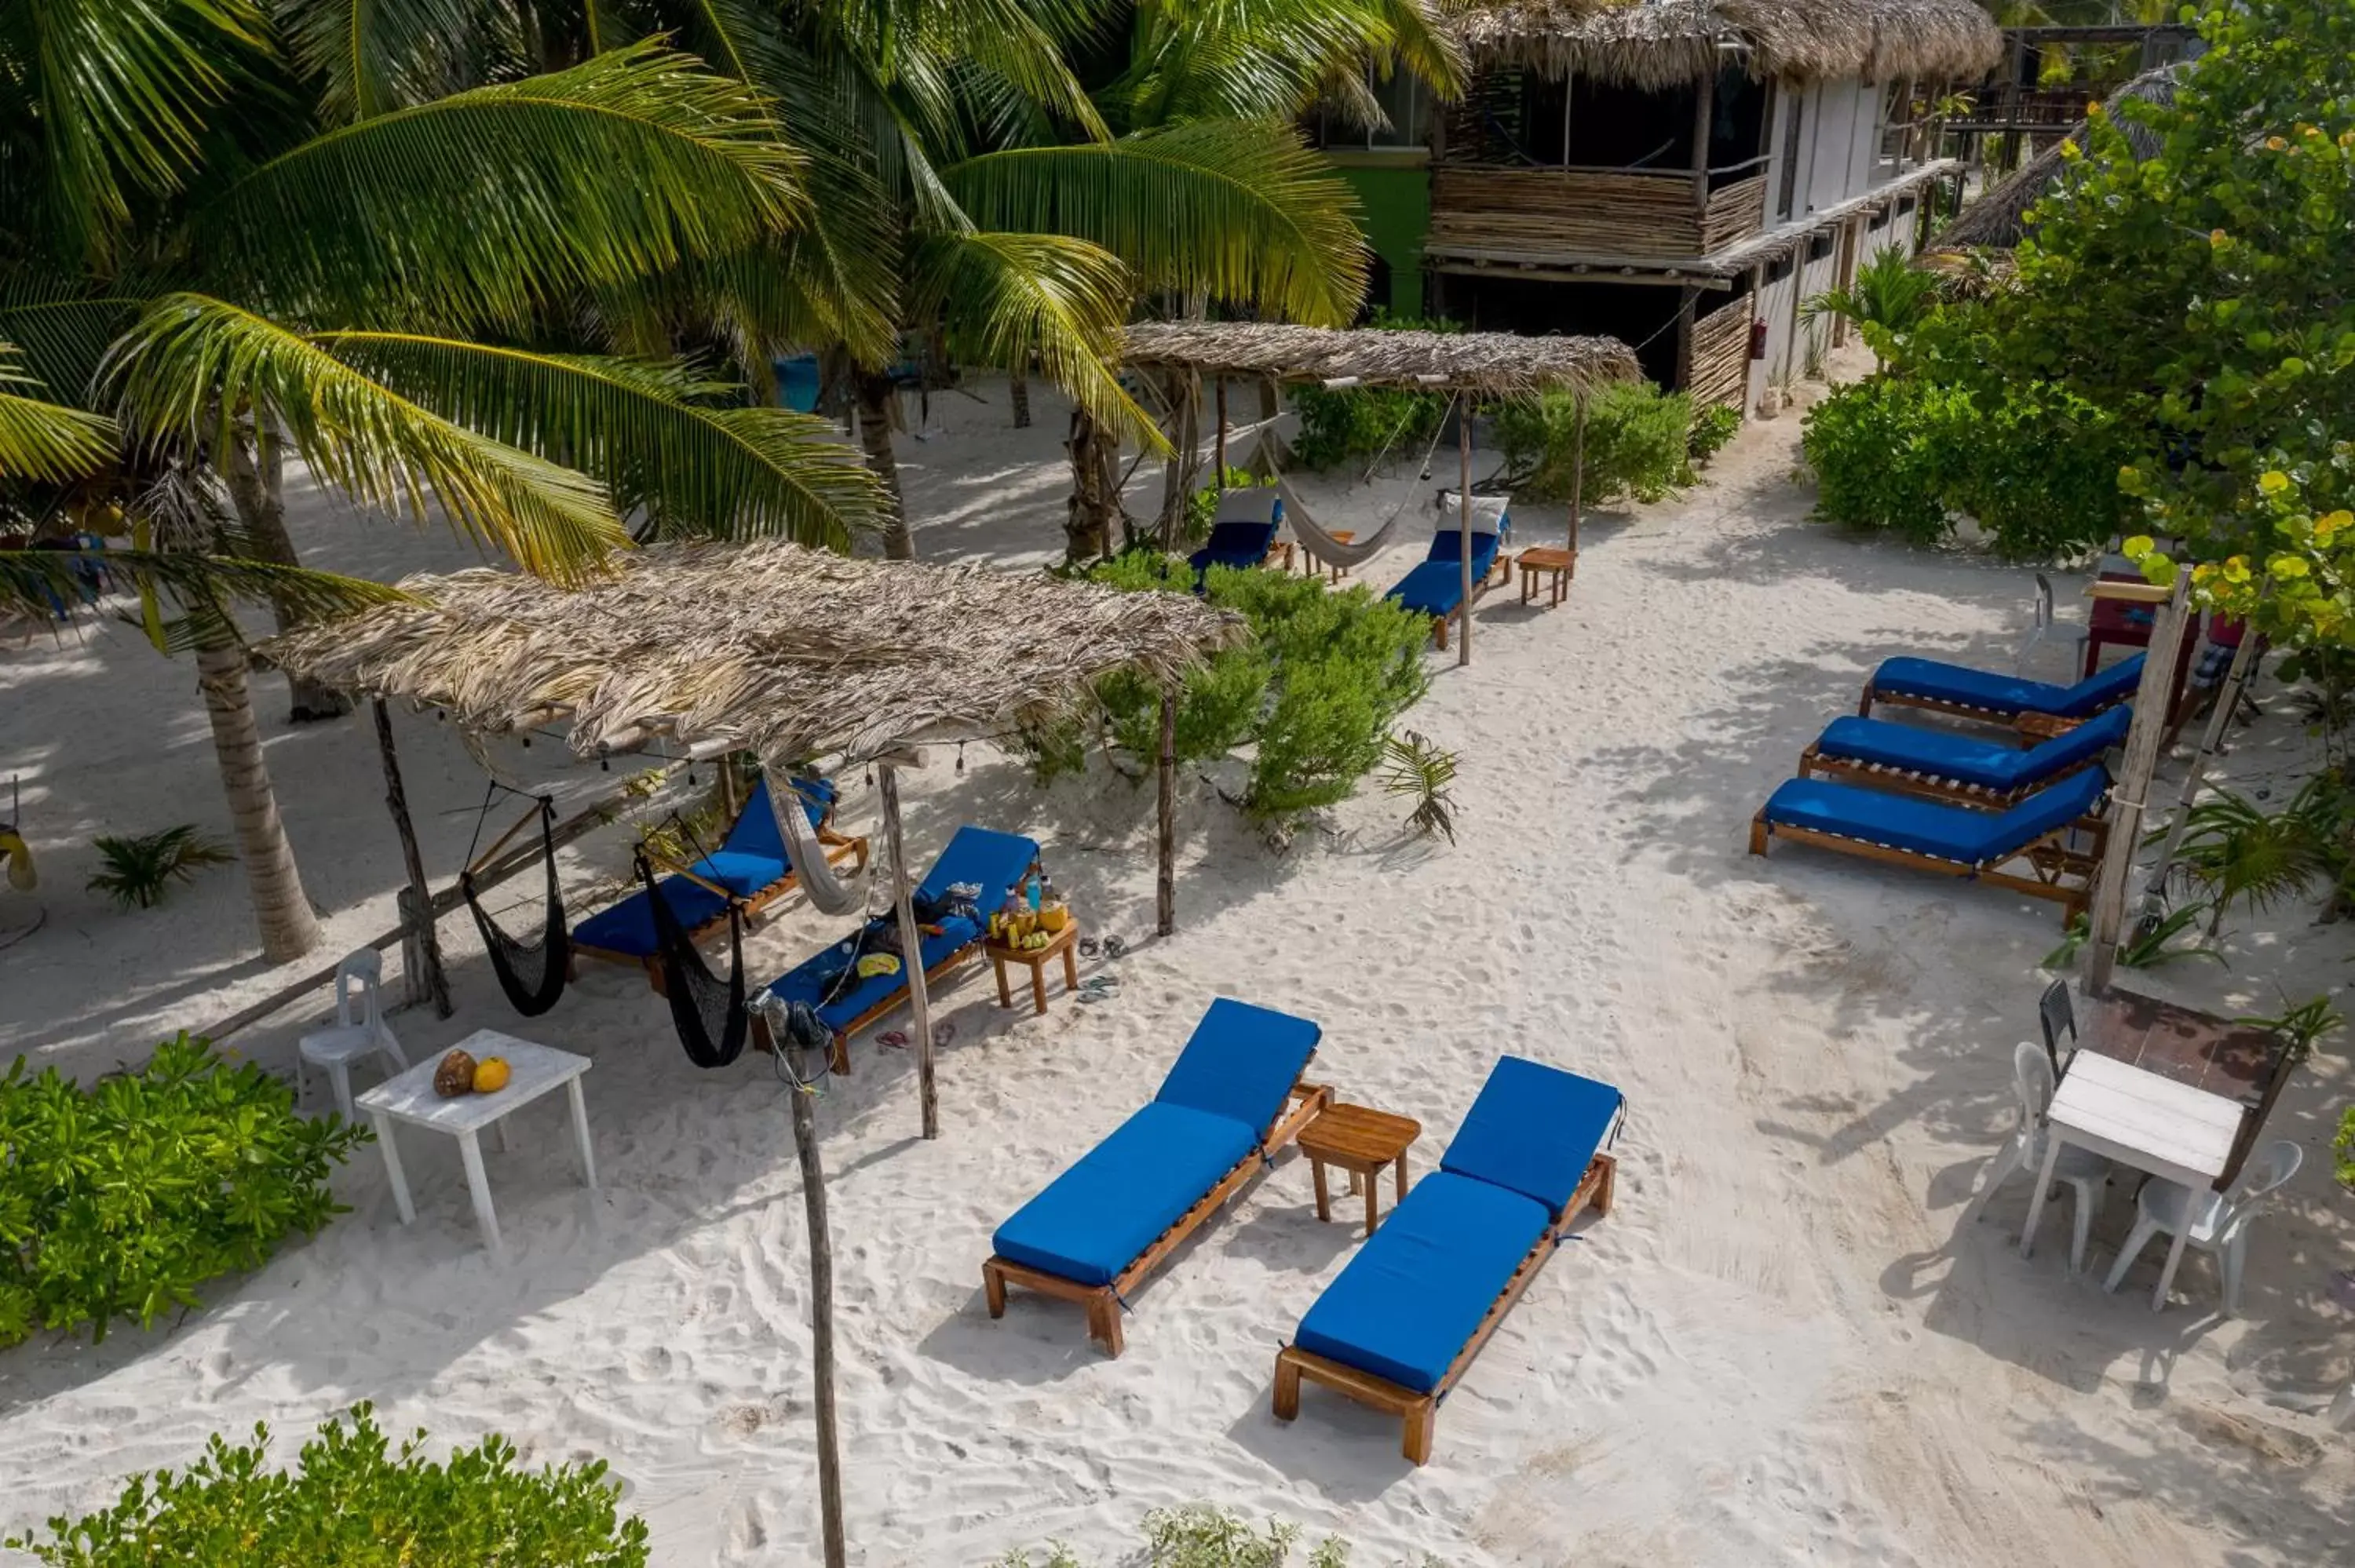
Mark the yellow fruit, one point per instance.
(490, 1075)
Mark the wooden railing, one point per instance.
(1641, 214)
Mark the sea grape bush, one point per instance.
(1638, 443)
(120, 1200)
(352, 1501)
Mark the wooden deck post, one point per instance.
(421, 944)
(1704, 118)
(821, 1245)
(1577, 467)
(1164, 878)
(1463, 522)
(1218, 479)
(911, 945)
(2133, 785)
(2211, 741)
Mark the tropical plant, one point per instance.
(1200, 1536)
(2343, 1147)
(1425, 774)
(2240, 853)
(1372, 422)
(350, 1499)
(120, 1200)
(1889, 297)
(1711, 427)
(2301, 1027)
(1637, 443)
(2152, 944)
(140, 870)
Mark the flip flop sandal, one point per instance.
(1113, 947)
(1099, 988)
(942, 1033)
(892, 1040)
(1090, 947)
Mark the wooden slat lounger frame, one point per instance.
(839, 847)
(2032, 726)
(1814, 764)
(2049, 861)
(1419, 1411)
(1480, 587)
(1103, 1301)
(838, 1059)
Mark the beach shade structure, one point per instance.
(787, 652)
(831, 983)
(1435, 586)
(1243, 531)
(1966, 693)
(1401, 1324)
(1470, 366)
(1233, 1098)
(2026, 848)
(748, 871)
(1959, 768)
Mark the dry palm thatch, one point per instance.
(1999, 219)
(787, 652)
(1486, 363)
(1656, 44)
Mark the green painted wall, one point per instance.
(1394, 193)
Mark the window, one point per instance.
(1779, 268)
(1905, 207)
(1896, 122)
(1820, 246)
(1880, 221)
(1794, 148)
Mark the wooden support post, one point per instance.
(421, 943)
(2133, 785)
(1463, 522)
(1165, 882)
(1688, 306)
(1218, 479)
(821, 1245)
(1704, 117)
(1577, 468)
(2211, 741)
(911, 945)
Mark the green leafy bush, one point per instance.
(1361, 421)
(1637, 443)
(352, 1502)
(140, 870)
(1200, 1536)
(118, 1201)
(1883, 456)
(1711, 427)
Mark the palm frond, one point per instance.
(61, 328)
(191, 361)
(1261, 58)
(719, 472)
(44, 583)
(370, 56)
(493, 203)
(44, 441)
(1020, 41)
(1011, 298)
(1239, 212)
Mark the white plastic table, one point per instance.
(533, 1071)
(2138, 1118)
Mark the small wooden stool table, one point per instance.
(1334, 570)
(1066, 941)
(1558, 566)
(1360, 1141)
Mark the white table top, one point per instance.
(533, 1071)
(2126, 1111)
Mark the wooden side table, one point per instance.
(1360, 1141)
(1334, 570)
(1066, 942)
(1557, 566)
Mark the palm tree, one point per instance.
(445, 304)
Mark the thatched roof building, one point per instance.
(1656, 44)
(1486, 362)
(787, 652)
(1999, 219)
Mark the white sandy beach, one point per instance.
(1790, 1343)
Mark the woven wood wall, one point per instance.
(1545, 211)
(1720, 355)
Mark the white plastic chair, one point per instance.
(2083, 1172)
(360, 1030)
(2050, 628)
(2219, 1221)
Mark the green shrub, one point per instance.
(1637, 443)
(139, 871)
(1711, 427)
(118, 1201)
(350, 1502)
(1361, 421)
(1883, 457)
(1199, 1536)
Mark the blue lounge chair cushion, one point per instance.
(1930, 828)
(1233, 545)
(755, 830)
(628, 927)
(1447, 545)
(1094, 1220)
(742, 874)
(1991, 765)
(751, 857)
(1412, 1298)
(1534, 1130)
(1241, 1063)
(1435, 586)
(2007, 694)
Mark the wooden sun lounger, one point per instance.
(839, 846)
(1419, 1411)
(1814, 764)
(1480, 586)
(2055, 871)
(1103, 1301)
(839, 1058)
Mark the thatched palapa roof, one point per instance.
(1656, 44)
(1491, 363)
(787, 652)
(1999, 219)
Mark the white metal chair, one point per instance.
(2083, 1172)
(360, 1030)
(2050, 628)
(2219, 1221)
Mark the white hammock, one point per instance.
(1323, 545)
(812, 870)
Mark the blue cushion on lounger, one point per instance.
(1435, 587)
(1446, 546)
(1926, 827)
(1967, 687)
(742, 874)
(1992, 764)
(628, 927)
(1241, 1063)
(1534, 1130)
(1094, 1220)
(1412, 1298)
(755, 831)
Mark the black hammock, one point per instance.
(531, 973)
(709, 1013)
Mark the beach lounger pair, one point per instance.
(1406, 1317)
(749, 869)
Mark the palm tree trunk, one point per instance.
(876, 400)
(1017, 390)
(289, 929)
(1087, 526)
(257, 483)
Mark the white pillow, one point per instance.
(1248, 506)
(1488, 510)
